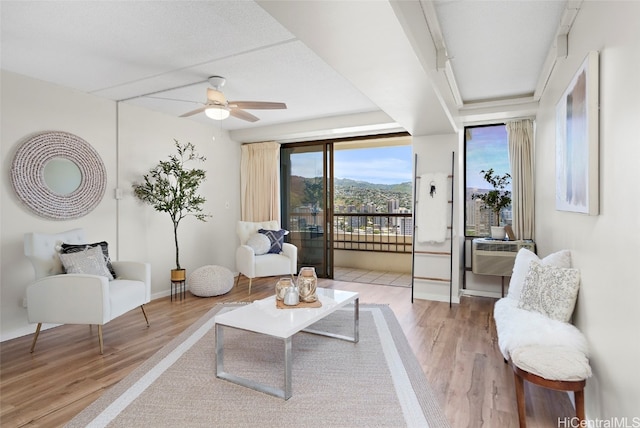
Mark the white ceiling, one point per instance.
(497, 48)
(416, 65)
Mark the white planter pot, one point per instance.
(498, 232)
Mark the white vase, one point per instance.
(498, 232)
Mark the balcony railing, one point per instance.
(391, 233)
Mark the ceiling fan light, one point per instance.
(217, 112)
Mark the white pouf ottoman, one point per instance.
(211, 280)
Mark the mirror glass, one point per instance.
(62, 176)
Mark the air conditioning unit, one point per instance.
(496, 257)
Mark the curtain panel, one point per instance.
(520, 136)
(260, 181)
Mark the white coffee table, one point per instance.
(263, 317)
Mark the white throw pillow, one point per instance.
(90, 261)
(550, 290)
(561, 259)
(260, 243)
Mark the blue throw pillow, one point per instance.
(277, 239)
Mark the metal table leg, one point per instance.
(287, 389)
(356, 326)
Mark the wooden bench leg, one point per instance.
(576, 386)
(522, 417)
(579, 396)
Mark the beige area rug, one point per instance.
(377, 382)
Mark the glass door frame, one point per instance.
(325, 267)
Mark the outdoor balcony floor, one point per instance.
(397, 279)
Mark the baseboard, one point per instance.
(480, 293)
(160, 294)
(435, 297)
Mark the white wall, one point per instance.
(604, 247)
(145, 138)
(434, 155)
(134, 231)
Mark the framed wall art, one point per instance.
(577, 135)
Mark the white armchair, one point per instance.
(254, 266)
(75, 298)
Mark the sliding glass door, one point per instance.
(307, 203)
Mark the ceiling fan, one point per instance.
(217, 107)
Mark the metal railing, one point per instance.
(391, 233)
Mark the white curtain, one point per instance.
(520, 134)
(260, 182)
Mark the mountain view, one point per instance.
(351, 194)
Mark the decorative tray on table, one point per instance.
(280, 305)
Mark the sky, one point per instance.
(380, 165)
(487, 148)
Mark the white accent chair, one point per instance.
(255, 266)
(59, 298)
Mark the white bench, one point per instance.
(542, 349)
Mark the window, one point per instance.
(373, 178)
(486, 147)
(373, 195)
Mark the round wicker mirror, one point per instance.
(43, 193)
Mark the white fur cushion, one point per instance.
(521, 267)
(550, 290)
(260, 243)
(518, 327)
(552, 362)
(90, 261)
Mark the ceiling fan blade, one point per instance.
(216, 97)
(257, 105)
(241, 114)
(196, 111)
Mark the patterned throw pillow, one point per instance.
(560, 258)
(277, 239)
(90, 261)
(550, 290)
(260, 243)
(74, 248)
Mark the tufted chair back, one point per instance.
(247, 228)
(42, 250)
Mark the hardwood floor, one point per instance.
(457, 349)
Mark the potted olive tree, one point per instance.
(172, 188)
(495, 200)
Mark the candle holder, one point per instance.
(307, 284)
(281, 287)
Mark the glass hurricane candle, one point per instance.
(281, 287)
(307, 283)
